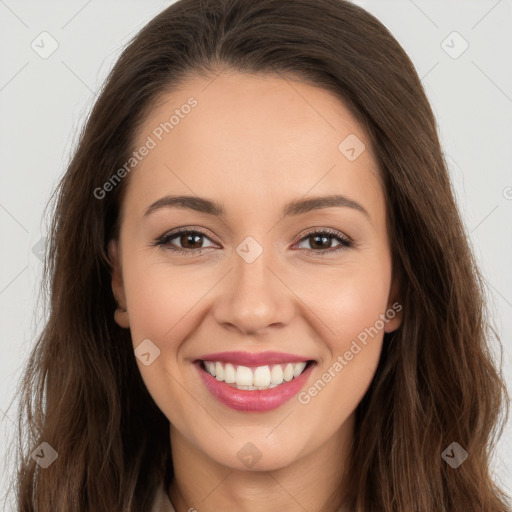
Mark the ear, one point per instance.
(394, 311)
(121, 316)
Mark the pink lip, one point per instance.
(257, 400)
(254, 359)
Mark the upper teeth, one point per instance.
(260, 377)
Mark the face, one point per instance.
(274, 274)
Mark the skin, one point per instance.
(254, 143)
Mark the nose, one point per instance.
(254, 296)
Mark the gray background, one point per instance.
(43, 102)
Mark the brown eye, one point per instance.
(188, 241)
(320, 242)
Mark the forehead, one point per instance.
(252, 139)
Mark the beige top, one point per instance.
(162, 502)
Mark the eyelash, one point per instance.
(163, 241)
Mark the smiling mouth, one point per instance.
(254, 378)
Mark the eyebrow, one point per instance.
(296, 207)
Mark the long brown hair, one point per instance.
(437, 381)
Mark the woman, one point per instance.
(262, 295)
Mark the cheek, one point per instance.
(161, 302)
(350, 300)
(351, 306)
(352, 328)
(161, 298)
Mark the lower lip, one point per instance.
(256, 400)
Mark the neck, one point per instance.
(312, 482)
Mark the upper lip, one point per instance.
(253, 358)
